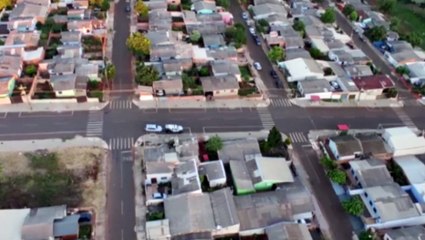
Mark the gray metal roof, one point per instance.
(407, 233)
(66, 226)
(237, 149)
(212, 170)
(216, 83)
(39, 223)
(241, 176)
(347, 145)
(371, 172)
(288, 231)
(224, 208)
(185, 178)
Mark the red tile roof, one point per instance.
(373, 82)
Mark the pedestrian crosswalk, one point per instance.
(266, 118)
(298, 137)
(280, 102)
(405, 119)
(124, 143)
(120, 104)
(95, 124)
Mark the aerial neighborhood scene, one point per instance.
(212, 119)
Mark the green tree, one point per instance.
(366, 235)
(386, 5)
(353, 206)
(414, 38)
(30, 70)
(139, 44)
(316, 53)
(223, 3)
(328, 163)
(402, 70)
(337, 176)
(146, 75)
(299, 26)
(328, 16)
(105, 5)
(353, 16)
(141, 8)
(376, 33)
(348, 9)
(274, 139)
(214, 144)
(394, 23)
(188, 82)
(236, 34)
(110, 71)
(204, 71)
(5, 4)
(195, 36)
(276, 54)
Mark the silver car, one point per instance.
(173, 128)
(154, 128)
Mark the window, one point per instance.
(163, 178)
(374, 210)
(370, 203)
(365, 194)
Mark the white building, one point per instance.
(214, 172)
(403, 141)
(300, 68)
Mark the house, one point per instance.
(356, 71)
(373, 87)
(12, 221)
(70, 51)
(345, 147)
(158, 230)
(158, 164)
(263, 11)
(294, 53)
(214, 172)
(401, 53)
(161, 37)
(315, 88)
(300, 68)
(348, 56)
(224, 68)
(89, 70)
(288, 231)
(168, 87)
(202, 215)
(160, 19)
(223, 53)
(36, 2)
(413, 168)
(222, 86)
(258, 211)
(204, 7)
(374, 145)
(162, 52)
(39, 223)
(213, 41)
(172, 67)
(71, 38)
(237, 149)
(69, 86)
(370, 172)
(25, 16)
(403, 141)
(85, 27)
(10, 66)
(185, 178)
(405, 233)
(67, 227)
(416, 73)
(21, 40)
(349, 90)
(241, 178)
(284, 36)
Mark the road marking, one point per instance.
(122, 234)
(405, 119)
(46, 115)
(230, 109)
(186, 110)
(247, 128)
(122, 207)
(121, 143)
(266, 118)
(4, 115)
(95, 124)
(298, 137)
(280, 102)
(121, 104)
(43, 133)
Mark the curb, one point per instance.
(15, 108)
(399, 104)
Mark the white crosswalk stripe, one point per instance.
(298, 137)
(95, 124)
(120, 104)
(280, 102)
(121, 143)
(266, 118)
(405, 119)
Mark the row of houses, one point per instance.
(200, 203)
(59, 63)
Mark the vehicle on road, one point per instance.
(127, 8)
(257, 66)
(252, 31)
(245, 15)
(154, 128)
(278, 83)
(257, 40)
(273, 74)
(173, 128)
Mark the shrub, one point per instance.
(214, 144)
(353, 206)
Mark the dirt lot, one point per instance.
(72, 176)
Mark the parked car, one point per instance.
(257, 66)
(273, 74)
(159, 195)
(154, 128)
(245, 15)
(278, 83)
(252, 31)
(173, 128)
(257, 40)
(127, 8)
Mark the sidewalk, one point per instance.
(164, 103)
(52, 107)
(305, 103)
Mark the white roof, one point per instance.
(416, 69)
(273, 169)
(413, 168)
(301, 68)
(11, 222)
(320, 44)
(159, 229)
(404, 141)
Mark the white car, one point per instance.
(173, 128)
(154, 128)
(257, 66)
(252, 31)
(245, 15)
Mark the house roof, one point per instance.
(10, 65)
(416, 69)
(222, 53)
(162, 51)
(159, 19)
(347, 145)
(268, 9)
(270, 169)
(224, 208)
(159, 37)
(168, 85)
(12, 221)
(70, 37)
(373, 82)
(189, 213)
(241, 176)
(185, 178)
(413, 168)
(406, 233)
(64, 66)
(172, 65)
(29, 39)
(300, 67)
(66, 226)
(159, 229)
(315, 85)
(403, 138)
(68, 82)
(225, 67)
(28, 10)
(213, 40)
(86, 69)
(371, 172)
(294, 53)
(76, 25)
(211, 84)
(39, 222)
(392, 202)
(288, 231)
(213, 170)
(372, 143)
(238, 148)
(356, 71)
(204, 5)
